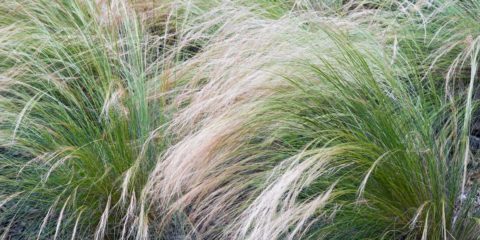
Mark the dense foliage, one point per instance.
(250, 119)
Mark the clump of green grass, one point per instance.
(83, 107)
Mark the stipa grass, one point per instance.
(237, 120)
(342, 140)
(83, 119)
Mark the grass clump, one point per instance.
(344, 139)
(83, 119)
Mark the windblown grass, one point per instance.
(249, 119)
(83, 107)
(326, 136)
